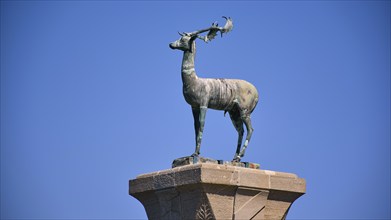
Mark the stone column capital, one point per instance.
(214, 191)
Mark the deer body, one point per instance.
(238, 97)
(218, 94)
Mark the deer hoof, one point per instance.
(236, 159)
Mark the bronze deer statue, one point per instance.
(237, 97)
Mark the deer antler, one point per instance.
(213, 30)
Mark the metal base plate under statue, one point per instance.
(197, 159)
(202, 188)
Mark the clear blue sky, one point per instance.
(91, 96)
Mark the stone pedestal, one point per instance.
(216, 191)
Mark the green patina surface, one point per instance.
(237, 97)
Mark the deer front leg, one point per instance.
(199, 122)
(238, 124)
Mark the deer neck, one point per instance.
(188, 70)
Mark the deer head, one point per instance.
(185, 43)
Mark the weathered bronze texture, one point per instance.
(235, 96)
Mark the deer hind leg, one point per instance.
(247, 121)
(238, 124)
(199, 122)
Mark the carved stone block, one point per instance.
(216, 191)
